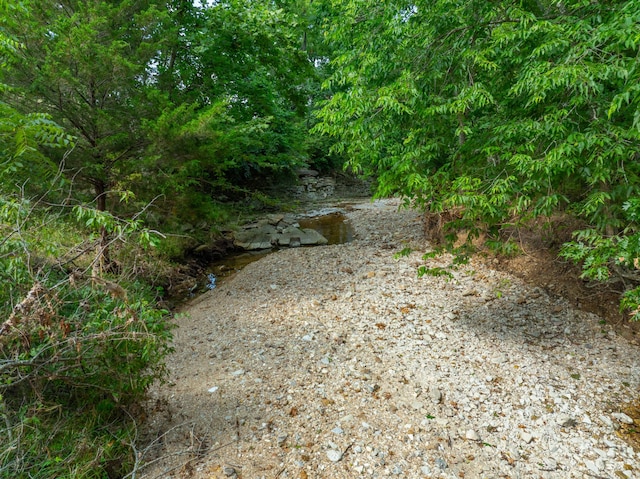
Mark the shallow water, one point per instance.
(333, 226)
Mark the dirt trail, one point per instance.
(339, 362)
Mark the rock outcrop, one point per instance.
(274, 231)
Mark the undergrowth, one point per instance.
(79, 348)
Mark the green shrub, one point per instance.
(77, 351)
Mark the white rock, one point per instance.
(526, 437)
(333, 455)
(605, 420)
(622, 417)
(592, 466)
(213, 389)
(471, 435)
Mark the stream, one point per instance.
(329, 222)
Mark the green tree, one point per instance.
(236, 83)
(500, 111)
(85, 64)
(75, 352)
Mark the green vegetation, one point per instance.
(124, 122)
(497, 113)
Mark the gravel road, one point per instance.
(339, 362)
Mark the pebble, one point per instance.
(282, 438)
(606, 421)
(333, 455)
(229, 471)
(239, 372)
(591, 465)
(471, 435)
(213, 389)
(441, 463)
(622, 417)
(436, 395)
(526, 437)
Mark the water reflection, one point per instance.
(335, 227)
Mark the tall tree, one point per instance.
(85, 64)
(235, 79)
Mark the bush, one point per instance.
(77, 353)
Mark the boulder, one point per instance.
(267, 236)
(293, 237)
(262, 237)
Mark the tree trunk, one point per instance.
(102, 262)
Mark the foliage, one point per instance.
(501, 111)
(83, 64)
(76, 352)
(235, 88)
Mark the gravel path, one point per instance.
(339, 362)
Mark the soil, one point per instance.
(339, 362)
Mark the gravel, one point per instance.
(340, 362)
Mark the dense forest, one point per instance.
(127, 127)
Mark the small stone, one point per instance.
(426, 470)
(592, 466)
(228, 471)
(213, 389)
(307, 337)
(337, 430)
(333, 455)
(441, 463)
(239, 372)
(500, 359)
(605, 420)
(471, 435)
(435, 395)
(282, 438)
(359, 469)
(622, 417)
(397, 471)
(526, 437)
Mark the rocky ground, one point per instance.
(339, 362)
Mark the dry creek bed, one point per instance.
(339, 362)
